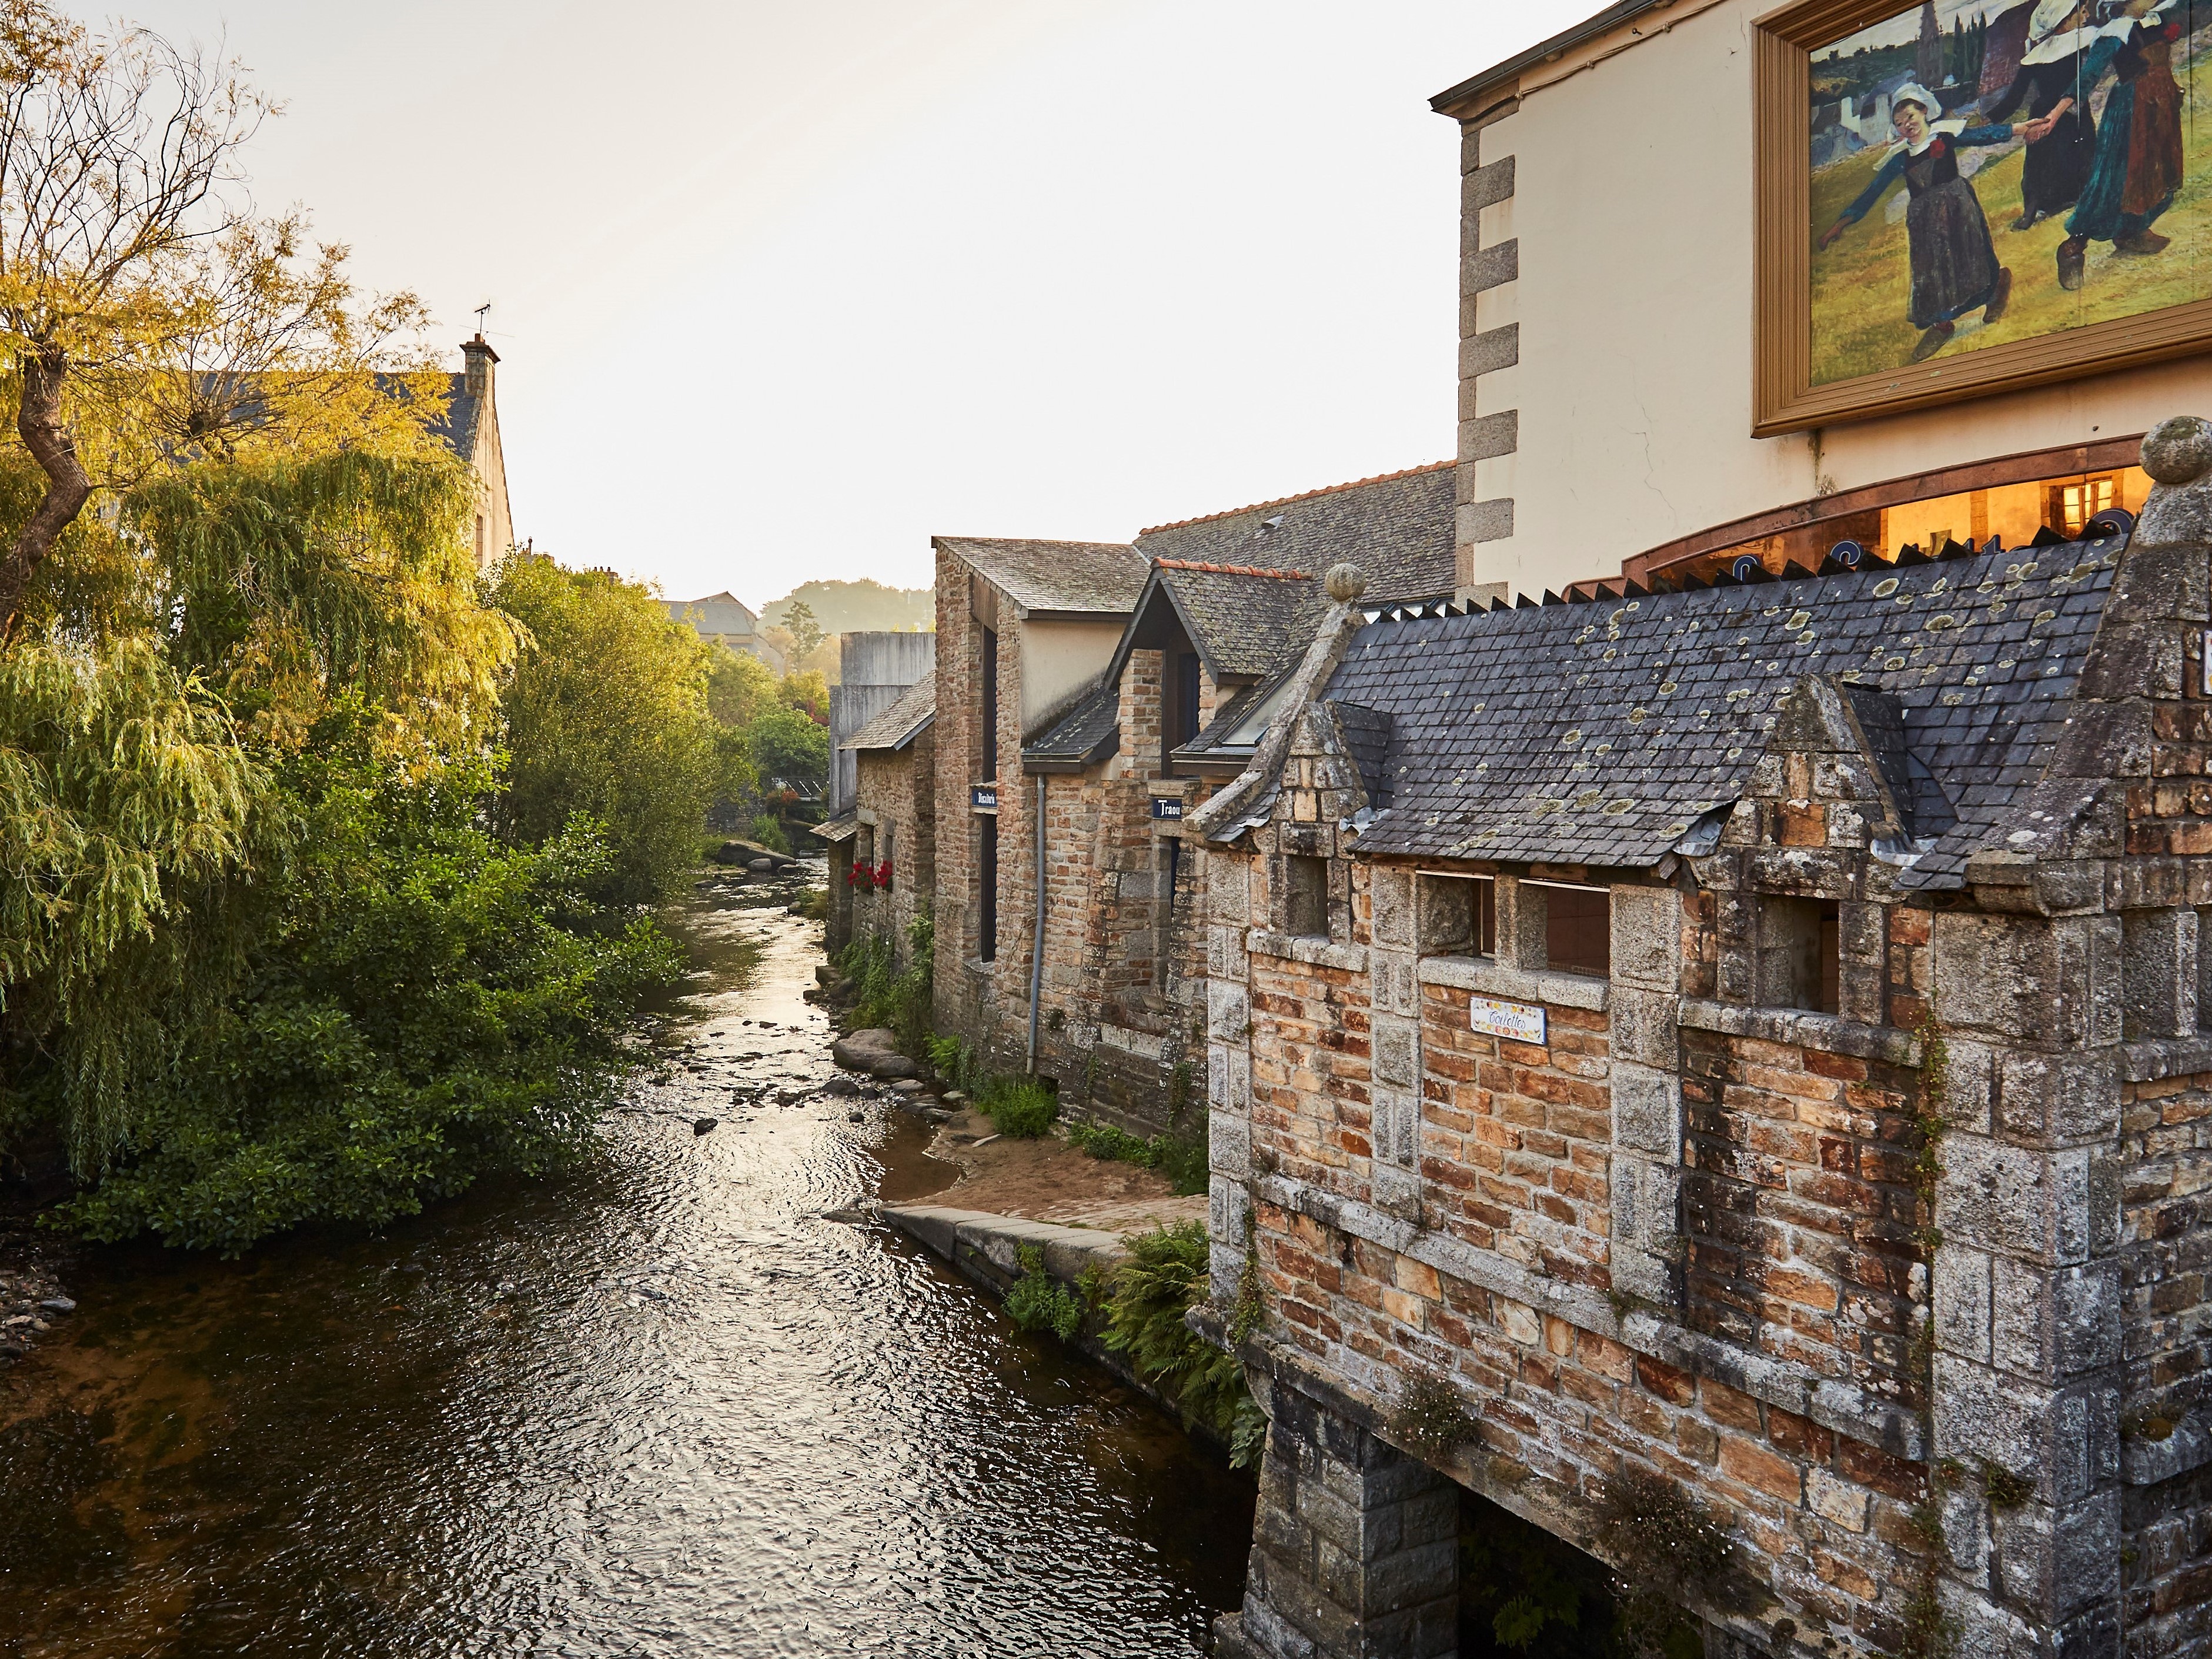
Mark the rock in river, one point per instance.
(701, 1125)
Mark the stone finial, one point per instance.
(1346, 582)
(2177, 451)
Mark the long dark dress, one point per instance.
(2056, 167)
(2137, 168)
(1954, 264)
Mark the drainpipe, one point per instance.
(1037, 938)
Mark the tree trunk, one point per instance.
(39, 422)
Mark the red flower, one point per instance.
(857, 874)
(884, 874)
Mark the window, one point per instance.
(989, 757)
(2073, 505)
(1305, 895)
(1801, 955)
(987, 865)
(1457, 915)
(1577, 926)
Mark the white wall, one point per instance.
(1058, 658)
(1632, 210)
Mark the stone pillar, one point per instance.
(1355, 1547)
(1395, 1091)
(1646, 1076)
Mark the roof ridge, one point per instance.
(1304, 495)
(1233, 570)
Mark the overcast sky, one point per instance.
(782, 290)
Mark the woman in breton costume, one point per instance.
(1955, 264)
(2057, 165)
(2137, 169)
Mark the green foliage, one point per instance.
(886, 995)
(1166, 1272)
(1019, 1107)
(785, 748)
(1181, 1158)
(125, 794)
(768, 831)
(606, 720)
(425, 1005)
(806, 632)
(956, 1062)
(1038, 1301)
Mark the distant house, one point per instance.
(471, 429)
(721, 619)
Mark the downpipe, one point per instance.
(1037, 938)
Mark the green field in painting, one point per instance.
(1862, 286)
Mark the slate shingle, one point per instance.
(1594, 733)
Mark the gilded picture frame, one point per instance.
(1788, 395)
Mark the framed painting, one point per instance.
(1960, 196)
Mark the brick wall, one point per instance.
(1799, 1207)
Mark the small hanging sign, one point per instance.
(1167, 809)
(984, 797)
(1518, 1022)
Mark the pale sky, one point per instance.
(780, 290)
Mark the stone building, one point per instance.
(882, 851)
(1022, 629)
(1228, 602)
(471, 429)
(1749, 1036)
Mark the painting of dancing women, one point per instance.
(1981, 176)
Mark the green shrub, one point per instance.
(1165, 1273)
(768, 830)
(1038, 1301)
(1181, 1158)
(956, 1062)
(886, 995)
(1019, 1107)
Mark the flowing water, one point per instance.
(662, 1406)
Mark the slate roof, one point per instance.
(1100, 577)
(715, 613)
(1396, 528)
(902, 722)
(463, 409)
(1243, 623)
(1596, 733)
(1087, 732)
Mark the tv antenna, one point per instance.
(482, 311)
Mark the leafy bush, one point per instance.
(768, 830)
(1165, 1273)
(1181, 1158)
(956, 1062)
(1019, 1107)
(1038, 1301)
(425, 1006)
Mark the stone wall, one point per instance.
(896, 791)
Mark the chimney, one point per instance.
(479, 357)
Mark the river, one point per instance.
(661, 1406)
